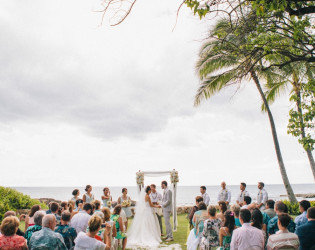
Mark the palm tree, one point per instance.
(294, 74)
(224, 61)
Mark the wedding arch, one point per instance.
(174, 180)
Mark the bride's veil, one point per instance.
(140, 205)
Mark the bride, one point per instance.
(145, 230)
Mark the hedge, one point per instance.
(294, 208)
(11, 199)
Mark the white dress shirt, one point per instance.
(262, 196)
(206, 198)
(224, 195)
(80, 221)
(155, 197)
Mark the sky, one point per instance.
(84, 103)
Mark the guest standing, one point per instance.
(115, 217)
(225, 235)
(194, 209)
(8, 237)
(211, 229)
(242, 194)
(262, 196)
(125, 202)
(195, 234)
(88, 197)
(306, 232)
(205, 196)
(106, 197)
(247, 236)
(283, 238)
(224, 194)
(87, 240)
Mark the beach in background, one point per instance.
(185, 194)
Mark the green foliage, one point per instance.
(10, 199)
(304, 118)
(294, 208)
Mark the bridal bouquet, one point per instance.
(140, 178)
(109, 204)
(174, 177)
(126, 203)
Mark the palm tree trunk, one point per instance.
(283, 171)
(308, 151)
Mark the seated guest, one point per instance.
(75, 193)
(247, 201)
(12, 213)
(270, 204)
(198, 199)
(211, 229)
(198, 221)
(302, 219)
(8, 238)
(63, 206)
(283, 238)
(107, 220)
(71, 208)
(68, 233)
(272, 227)
(306, 232)
(81, 219)
(54, 208)
(247, 236)
(38, 217)
(115, 217)
(46, 238)
(222, 209)
(225, 235)
(79, 205)
(258, 222)
(87, 240)
(236, 210)
(29, 219)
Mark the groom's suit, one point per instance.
(167, 209)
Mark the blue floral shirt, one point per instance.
(30, 230)
(301, 219)
(272, 227)
(47, 239)
(68, 233)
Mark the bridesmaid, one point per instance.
(106, 197)
(125, 202)
(88, 197)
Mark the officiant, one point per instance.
(156, 199)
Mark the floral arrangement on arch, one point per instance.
(140, 178)
(174, 177)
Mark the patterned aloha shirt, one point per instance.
(210, 235)
(11, 242)
(30, 230)
(273, 226)
(46, 239)
(68, 233)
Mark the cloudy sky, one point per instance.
(82, 103)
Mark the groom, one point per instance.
(167, 209)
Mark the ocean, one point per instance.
(185, 194)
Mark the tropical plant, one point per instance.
(299, 76)
(221, 64)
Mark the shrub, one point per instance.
(294, 208)
(10, 199)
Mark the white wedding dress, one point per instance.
(145, 230)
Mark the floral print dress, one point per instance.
(210, 235)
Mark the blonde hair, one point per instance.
(95, 223)
(10, 225)
(71, 205)
(106, 213)
(236, 209)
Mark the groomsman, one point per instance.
(262, 196)
(242, 194)
(167, 206)
(224, 194)
(205, 196)
(156, 198)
